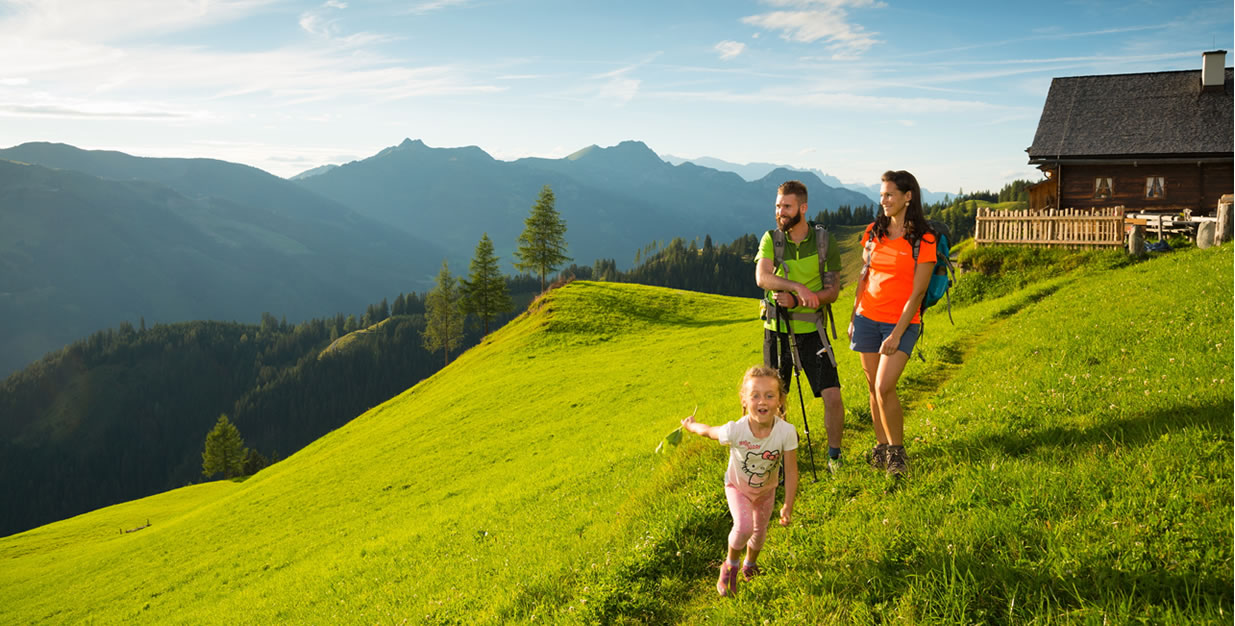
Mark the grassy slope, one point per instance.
(1061, 470)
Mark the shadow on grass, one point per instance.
(1029, 299)
(966, 588)
(655, 588)
(1131, 431)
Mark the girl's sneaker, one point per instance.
(727, 584)
(751, 571)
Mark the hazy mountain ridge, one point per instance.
(614, 200)
(324, 243)
(80, 252)
(756, 170)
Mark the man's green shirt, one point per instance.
(802, 260)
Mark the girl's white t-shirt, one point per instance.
(754, 464)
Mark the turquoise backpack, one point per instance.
(944, 275)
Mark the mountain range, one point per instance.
(756, 170)
(614, 200)
(106, 238)
(90, 239)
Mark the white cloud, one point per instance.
(47, 106)
(816, 20)
(90, 20)
(829, 99)
(435, 5)
(317, 24)
(320, 23)
(620, 89)
(729, 49)
(54, 73)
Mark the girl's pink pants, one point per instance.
(750, 517)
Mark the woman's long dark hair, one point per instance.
(915, 219)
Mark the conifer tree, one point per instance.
(542, 246)
(443, 317)
(485, 294)
(225, 451)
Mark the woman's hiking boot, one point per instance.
(898, 463)
(878, 457)
(727, 584)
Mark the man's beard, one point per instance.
(791, 222)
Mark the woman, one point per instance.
(886, 322)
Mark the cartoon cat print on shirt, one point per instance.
(758, 465)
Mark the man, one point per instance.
(799, 287)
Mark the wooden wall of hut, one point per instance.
(1185, 186)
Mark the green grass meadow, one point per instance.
(1070, 452)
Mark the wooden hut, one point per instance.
(1157, 141)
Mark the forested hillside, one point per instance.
(124, 413)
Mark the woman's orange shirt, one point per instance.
(890, 281)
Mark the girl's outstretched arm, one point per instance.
(699, 428)
(790, 465)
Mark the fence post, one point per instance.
(1222, 232)
(1136, 241)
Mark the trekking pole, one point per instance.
(797, 366)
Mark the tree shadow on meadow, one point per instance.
(971, 589)
(1128, 432)
(652, 585)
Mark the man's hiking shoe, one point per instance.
(897, 462)
(834, 465)
(751, 571)
(727, 584)
(878, 457)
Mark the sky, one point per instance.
(951, 91)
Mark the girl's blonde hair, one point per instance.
(760, 371)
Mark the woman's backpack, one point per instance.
(944, 275)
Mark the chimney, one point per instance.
(1213, 69)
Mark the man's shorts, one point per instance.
(817, 367)
(868, 335)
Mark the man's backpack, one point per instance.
(821, 246)
(944, 275)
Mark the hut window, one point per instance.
(1101, 188)
(1155, 188)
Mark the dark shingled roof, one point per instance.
(1157, 114)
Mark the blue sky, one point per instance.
(951, 91)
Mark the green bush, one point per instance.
(994, 271)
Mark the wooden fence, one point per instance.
(1051, 227)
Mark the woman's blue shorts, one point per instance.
(868, 335)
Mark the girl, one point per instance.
(759, 445)
(885, 322)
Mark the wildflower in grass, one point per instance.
(760, 444)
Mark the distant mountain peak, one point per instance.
(629, 151)
(321, 169)
(582, 152)
(416, 146)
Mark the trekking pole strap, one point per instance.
(786, 318)
(816, 318)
